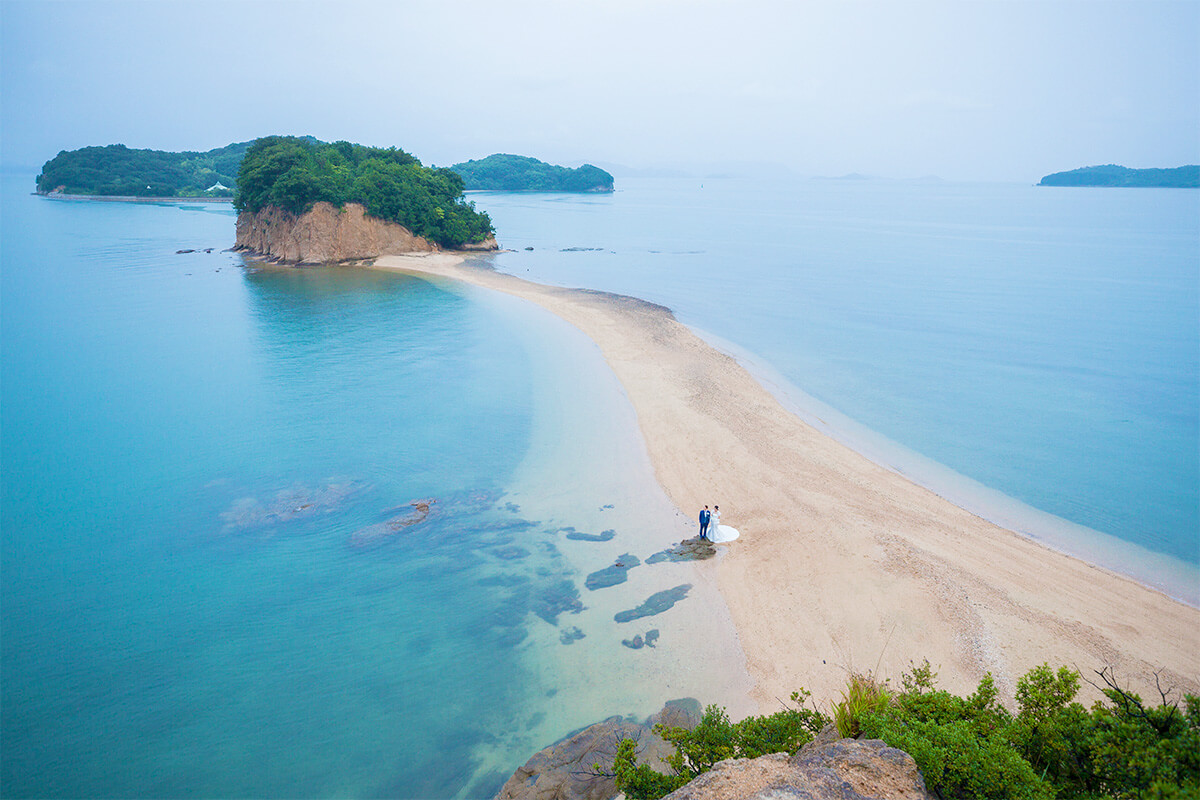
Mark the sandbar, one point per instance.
(844, 565)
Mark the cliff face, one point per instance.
(328, 235)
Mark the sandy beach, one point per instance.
(843, 564)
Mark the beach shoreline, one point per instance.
(844, 564)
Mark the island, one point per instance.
(509, 173)
(119, 171)
(1185, 177)
(302, 200)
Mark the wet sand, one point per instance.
(845, 565)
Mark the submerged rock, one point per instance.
(511, 552)
(603, 536)
(695, 549)
(561, 597)
(578, 536)
(655, 604)
(613, 575)
(571, 635)
(290, 504)
(639, 641)
(416, 511)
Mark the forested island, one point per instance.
(293, 174)
(119, 171)
(1186, 177)
(509, 173)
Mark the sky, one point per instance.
(965, 90)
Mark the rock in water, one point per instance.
(841, 769)
(656, 603)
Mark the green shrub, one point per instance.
(971, 747)
(863, 695)
(715, 739)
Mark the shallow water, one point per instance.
(1043, 343)
(301, 533)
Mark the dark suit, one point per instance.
(705, 516)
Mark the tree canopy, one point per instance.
(510, 173)
(120, 171)
(294, 173)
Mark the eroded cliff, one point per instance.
(328, 235)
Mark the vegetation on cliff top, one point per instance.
(969, 747)
(1187, 177)
(116, 170)
(508, 173)
(293, 174)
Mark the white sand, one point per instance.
(843, 564)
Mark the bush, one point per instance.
(975, 748)
(715, 739)
(969, 747)
(863, 695)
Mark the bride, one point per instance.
(719, 533)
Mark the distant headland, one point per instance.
(1186, 177)
(509, 173)
(116, 171)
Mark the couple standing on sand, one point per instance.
(711, 528)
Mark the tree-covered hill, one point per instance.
(510, 173)
(294, 173)
(116, 170)
(1187, 177)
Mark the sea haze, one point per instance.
(1042, 342)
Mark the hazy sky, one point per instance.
(965, 90)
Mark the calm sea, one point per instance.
(218, 577)
(210, 586)
(1032, 353)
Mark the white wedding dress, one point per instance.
(718, 533)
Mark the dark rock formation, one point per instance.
(603, 536)
(694, 549)
(655, 604)
(612, 575)
(564, 771)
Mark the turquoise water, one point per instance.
(1042, 342)
(210, 586)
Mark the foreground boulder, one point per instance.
(824, 769)
(564, 771)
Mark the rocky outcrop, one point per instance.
(328, 235)
(824, 769)
(564, 771)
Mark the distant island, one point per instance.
(1187, 177)
(118, 171)
(509, 173)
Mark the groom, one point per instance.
(705, 516)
